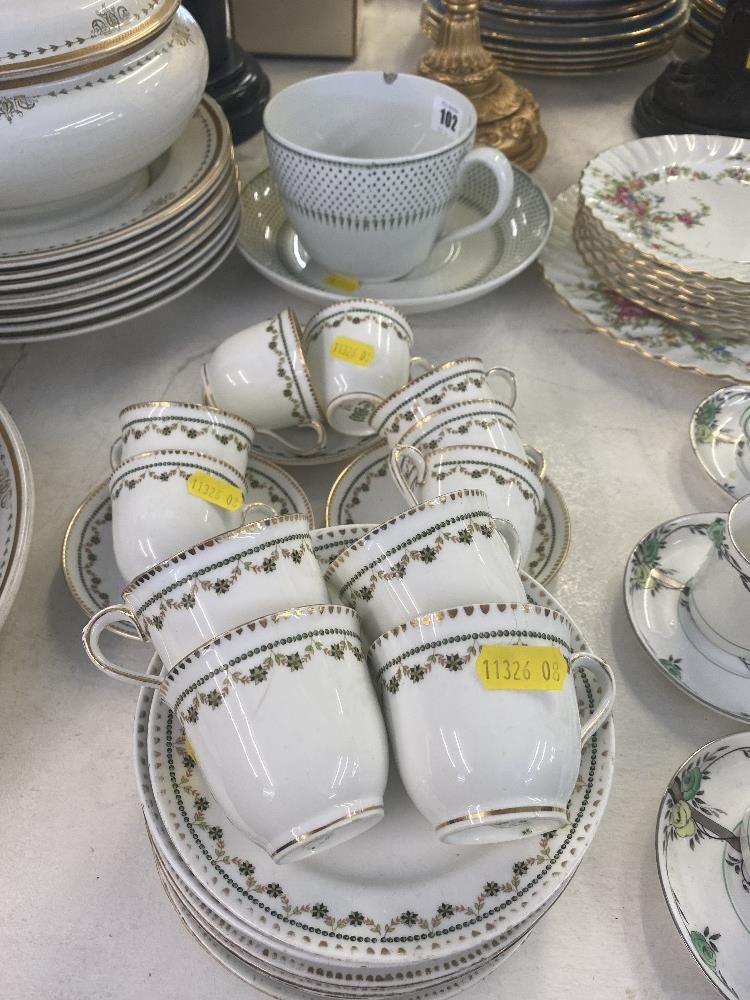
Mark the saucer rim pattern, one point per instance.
(16, 519)
(705, 450)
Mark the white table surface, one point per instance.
(82, 914)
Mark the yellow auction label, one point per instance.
(216, 491)
(189, 750)
(355, 352)
(342, 282)
(521, 668)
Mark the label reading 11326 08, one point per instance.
(215, 491)
(521, 668)
(355, 352)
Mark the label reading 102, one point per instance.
(354, 352)
(445, 117)
(215, 491)
(521, 668)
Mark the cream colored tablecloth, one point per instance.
(82, 914)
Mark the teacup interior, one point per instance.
(369, 115)
(739, 527)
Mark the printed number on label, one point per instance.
(354, 352)
(215, 491)
(445, 117)
(521, 668)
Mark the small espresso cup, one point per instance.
(205, 590)
(447, 550)
(514, 489)
(462, 380)
(184, 426)
(719, 593)
(482, 763)
(358, 351)
(486, 422)
(155, 513)
(367, 164)
(285, 726)
(261, 375)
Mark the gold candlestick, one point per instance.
(507, 114)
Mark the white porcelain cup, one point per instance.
(448, 550)
(184, 426)
(205, 590)
(514, 490)
(485, 766)
(485, 422)
(286, 728)
(462, 380)
(719, 593)
(261, 375)
(358, 351)
(367, 164)
(155, 515)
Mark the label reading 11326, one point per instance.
(215, 491)
(355, 352)
(521, 668)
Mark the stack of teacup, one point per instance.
(349, 358)
(476, 684)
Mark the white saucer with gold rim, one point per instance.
(718, 436)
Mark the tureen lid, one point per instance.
(57, 37)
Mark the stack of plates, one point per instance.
(658, 221)
(391, 913)
(705, 16)
(582, 36)
(170, 226)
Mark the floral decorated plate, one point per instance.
(656, 576)
(717, 434)
(676, 199)
(449, 277)
(624, 321)
(88, 557)
(16, 511)
(705, 879)
(365, 492)
(395, 895)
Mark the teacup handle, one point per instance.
(315, 425)
(509, 377)
(509, 535)
(395, 461)
(208, 396)
(536, 459)
(266, 508)
(603, 673)
(115, 452)
(90, 638)
(417, 361)
(493, 161)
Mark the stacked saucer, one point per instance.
(169, 226)
(552, 36)
(391, 913)
(657, 222)
(705, 16)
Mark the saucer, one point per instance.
(365, 492)
(88, 557)
(16, 511)
(450, 276)
(705, 884)
(337, 448)
(718, 440)
(656, 601)
(625, 322)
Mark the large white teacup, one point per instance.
(367, 164)
(285, 726)
(486, 422)
(719, 593)
(448, 550)
(214, 586)
(513, 487)
(486, 765)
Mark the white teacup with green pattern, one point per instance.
(484, 422)
(447, 550)
(514, 490)
(481, 762)
(188, 426)
(286, 728)
(194, 595)
(460, 380)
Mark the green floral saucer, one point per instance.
(624, 321)
(705, 880)
(656, 578)
(365, 492)
(718, 438)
